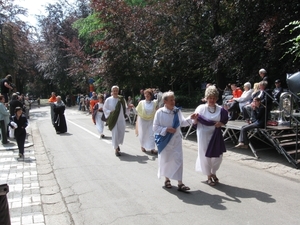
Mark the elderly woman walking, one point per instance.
(114, 109)
(166, 126)
(211, 117)
(146, 111)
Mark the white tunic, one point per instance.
(119, 129)
(204, 164)
(170, 160)
(99, 122)
(145, 127)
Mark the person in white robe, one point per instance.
(170, 158)
(97, 114)
(217, 117)
(144, 127)
(114, 109)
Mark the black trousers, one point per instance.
(234, 110)
(20, 138)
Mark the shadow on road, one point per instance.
(235, 194)
(133, 158)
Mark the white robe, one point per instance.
(145, 127)
(170, 160)
(205, 164)
(99, 122)
(118, 131)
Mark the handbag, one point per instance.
(272, 123)
(103, 118)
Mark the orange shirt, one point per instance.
(93, 103)
(237, 93)
(52, 99)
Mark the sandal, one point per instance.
(153, 152)
(214, 177)
(143, 149)
(168, 184)
(210, 181)
(117, 153)
(183, 188)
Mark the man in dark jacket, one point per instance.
(14, 103)
(6, 86)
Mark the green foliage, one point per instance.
(136, 2)
(170, 44)
(87, 30)
(293, 27)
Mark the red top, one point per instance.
(237, 93)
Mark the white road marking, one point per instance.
(97, 136)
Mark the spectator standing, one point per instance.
(14, 103)
(78, 101)
(141, 97)
(68, 100)
(93, 101)
(52, 100)
(87, 104)
(114, 109)
(263, 75)
(4, 115)
(38, 102)
(160, 102)
(6, 86)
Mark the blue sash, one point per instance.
(162, 141)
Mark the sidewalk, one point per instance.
(24, 196)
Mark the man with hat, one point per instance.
(277, 90)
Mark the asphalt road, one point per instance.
(90, 185)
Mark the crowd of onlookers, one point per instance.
(241, 97)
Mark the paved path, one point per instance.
(24, 195)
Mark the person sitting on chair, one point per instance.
(258, 120)
(239, 102)
(277, 91)
(260, 94)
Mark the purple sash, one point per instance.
(216, 145)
